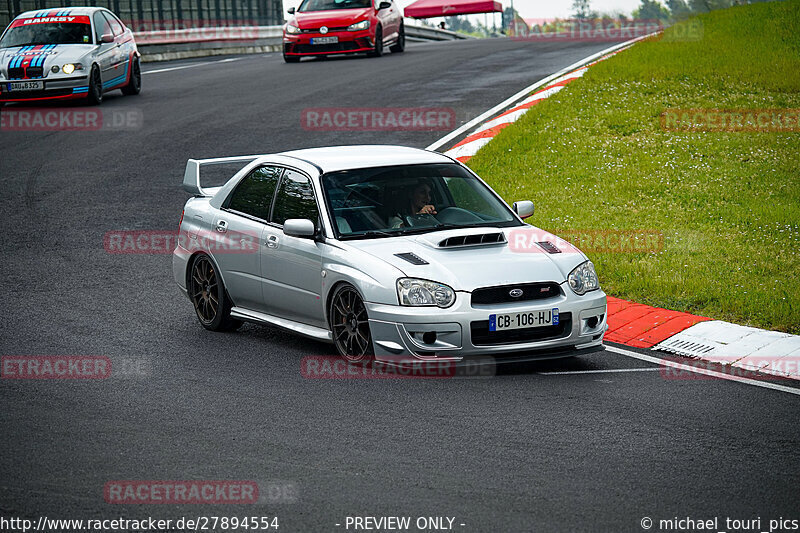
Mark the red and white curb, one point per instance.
(739, 347)
(637, 325)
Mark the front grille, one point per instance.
(481, 336)
(35, 72)
(500, 294)
(330, 47)
(16, 73)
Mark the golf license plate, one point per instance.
(524, 319)
(324, 40)
(26, 86)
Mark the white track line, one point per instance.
(191, 66)
(712, 373)
(606, 371)
(526, 92)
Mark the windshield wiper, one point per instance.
(371, 234)
(425, 229)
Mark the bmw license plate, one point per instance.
(324, 40)
(525, 319)
(26, 86)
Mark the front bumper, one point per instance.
(425, 333)
(350, 42)
(54, 89)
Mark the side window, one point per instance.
(116, 27)
(295, 199)
(253, 195)
(101, 26)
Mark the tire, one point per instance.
(400, 45)
(350, 325)
(95, 96)
(208, 294)
(134, 86)
(377, 51)
(291, 59)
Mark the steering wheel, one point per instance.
(421, 220)
(457, 215)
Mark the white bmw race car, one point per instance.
(67, 53)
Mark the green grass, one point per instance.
(594, 156)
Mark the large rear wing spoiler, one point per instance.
(191, 177)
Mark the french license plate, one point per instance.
(324, 40)
(26, 86)
(524, 319)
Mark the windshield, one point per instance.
(387, 201)
(25, 32)
(324, 5)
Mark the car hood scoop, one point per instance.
(412, 258)
(475, 239)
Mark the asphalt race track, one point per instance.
(522, 451)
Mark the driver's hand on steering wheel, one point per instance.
(427, 210)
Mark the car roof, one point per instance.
(335, 158)
(56, 11)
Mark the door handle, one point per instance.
(221, 226)
(272, 241)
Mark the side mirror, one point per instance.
(106, 38)
(299, 227)
(523, 209)
(291, 10)
(384, 5)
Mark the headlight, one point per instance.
(583, 279)
(421, 292)
(292, 30)
(69, 68)
(363, 25)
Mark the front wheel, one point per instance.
(95, 96)
(209, 297)
(135, 84)
(377, 51)
(350, 325)
(400, 45)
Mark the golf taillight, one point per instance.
(181, 222)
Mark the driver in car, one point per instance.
(418, 203)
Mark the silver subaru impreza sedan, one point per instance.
(391, 253)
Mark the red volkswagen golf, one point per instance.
(326, 27)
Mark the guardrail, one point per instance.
(164, 45)
(432, 34)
